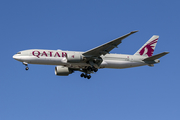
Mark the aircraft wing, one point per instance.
(107, 47)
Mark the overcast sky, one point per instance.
(141, 93)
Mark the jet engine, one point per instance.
(74, 57)
(62, 71)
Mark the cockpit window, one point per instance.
(19, 53)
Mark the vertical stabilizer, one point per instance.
(148, 48)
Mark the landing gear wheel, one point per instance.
(95, 69)
(82, 75)
(90, 68)
(27, 68)
(85, 76)
(89, 76)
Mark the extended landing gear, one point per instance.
(27, 68)
(88, 70)
(26, 64)
(85, 76)
(92, 69)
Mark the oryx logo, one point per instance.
(72, 56)
(149, 48)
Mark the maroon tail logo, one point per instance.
(149, 47)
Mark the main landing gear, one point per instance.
(87, 71)
(85, 76)
(26, 64)
(92, 69)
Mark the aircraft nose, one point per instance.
(16, 57)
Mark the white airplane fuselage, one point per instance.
(58, 57)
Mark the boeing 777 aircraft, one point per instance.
(90, 61)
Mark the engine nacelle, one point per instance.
(62, 71)
(74, 57)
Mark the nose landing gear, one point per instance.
(26, 64)
(27, 68)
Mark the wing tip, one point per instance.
(166, 52)
(134, 31)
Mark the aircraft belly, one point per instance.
(45, 61)
(120, 64)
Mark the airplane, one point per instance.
(90, 61)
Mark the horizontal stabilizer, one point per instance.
(154, 57)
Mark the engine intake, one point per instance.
(62, 71)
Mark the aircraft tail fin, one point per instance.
(148, 48)
(154, 57)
